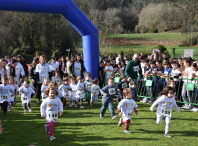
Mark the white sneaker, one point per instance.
(101, 116)
(145, 100)
(127, 131)
(194, 109)
(75, 105)
(52, 138)
(82, 106)
(189, 107)
(114, 117)
(8, 109)
(141, 100)
(30, 110)
(185, 107)
(120, 122)
(25, 111)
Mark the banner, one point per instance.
(188, 53)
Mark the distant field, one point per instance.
(150, 36)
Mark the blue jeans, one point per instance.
(104, 108)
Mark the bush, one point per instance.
(56, 53)
(153, 31)
(187, 42)
(161, 48)
(165, 30)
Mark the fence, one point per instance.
(186, 89)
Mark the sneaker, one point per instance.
(25, 111)
(127, 131)
(185, 107)
(101, 116)
(189, 107)
(141, 100)
(194, 109)
(120, 122)
(38, 102)
(30, 110)
(82, 106)
(167, 135)
(75, 105)
(150, 102)
(8, 109)
(114, 117)
(46, 129)
(52, 138)
(145, 100)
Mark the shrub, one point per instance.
(165, 30)
(56, 53)
(187, 42)
(153, 31)
(161, 48)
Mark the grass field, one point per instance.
(84, 127)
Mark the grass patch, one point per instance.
(84, 127)
(150, 36)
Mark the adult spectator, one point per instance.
(118, 59)
(101, 73)
(62, 66)
(7, 58)
(43, 71)
(33, 71)
(114, 63)
(77, 67)
(25, 67)
(3, 63)
(133, 69)
(154, 56)
(68, 62)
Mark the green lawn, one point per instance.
(84, 127)
(150, 36)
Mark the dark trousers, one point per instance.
(61, 73)
(4, 106)
(38, 91)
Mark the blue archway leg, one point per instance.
(91, 54)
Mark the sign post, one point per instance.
(68, 50)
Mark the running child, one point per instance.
(64, 88)
(133, 86)
(26, 91)
(108, 93)
(57, 78)
(44, 87)
(53, 65)
(126, 108)
(5, 92)
(13, 87)
(49, 110)
(95, 89)
(165, 103)
(25, 78)
(80, 93)
(72, 93)
(88, 84)
(123, 84)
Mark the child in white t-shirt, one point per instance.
(165, 103)
(126, 108)
(49, 110)
(80, 93)
(108, 69)
(57, 78)
(25, 78)
(95, 89)
(26, 91)
(44, 87)
(88, 84)
(72, 93)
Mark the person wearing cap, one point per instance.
(33, 71)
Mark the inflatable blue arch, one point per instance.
(75, 17)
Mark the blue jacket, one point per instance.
(110, 90)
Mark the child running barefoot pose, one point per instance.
(80, 93)
(44, 87)
(165, 104)
(107, 100)
(64, 88)
(88, 84)
(95, 89)
(72, 93)
(5, 92)
(49, 110)
(13, 87)
(26, 91)
(126, 108)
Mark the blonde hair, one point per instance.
(46, 79)
(41, 57)
(48, 90)
(53, 84)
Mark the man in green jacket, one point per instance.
(133, 69)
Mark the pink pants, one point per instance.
(51, 126)
(127, 124)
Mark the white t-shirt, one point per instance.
(72, 94)
(50, 108)
(175, 72)
(5, 92)
(80, 90)
(43, 88)
(26, 94)
(110, 68)
(187, 70)
(127, 106)
(88, 85)
(13, 87)
(165, 106)
(68, 63)
(65, 90)
(191, 78)
(57, 80)
(77, 68)
(57, 63)
(95, 89)
(43, 71)
(53, 66)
